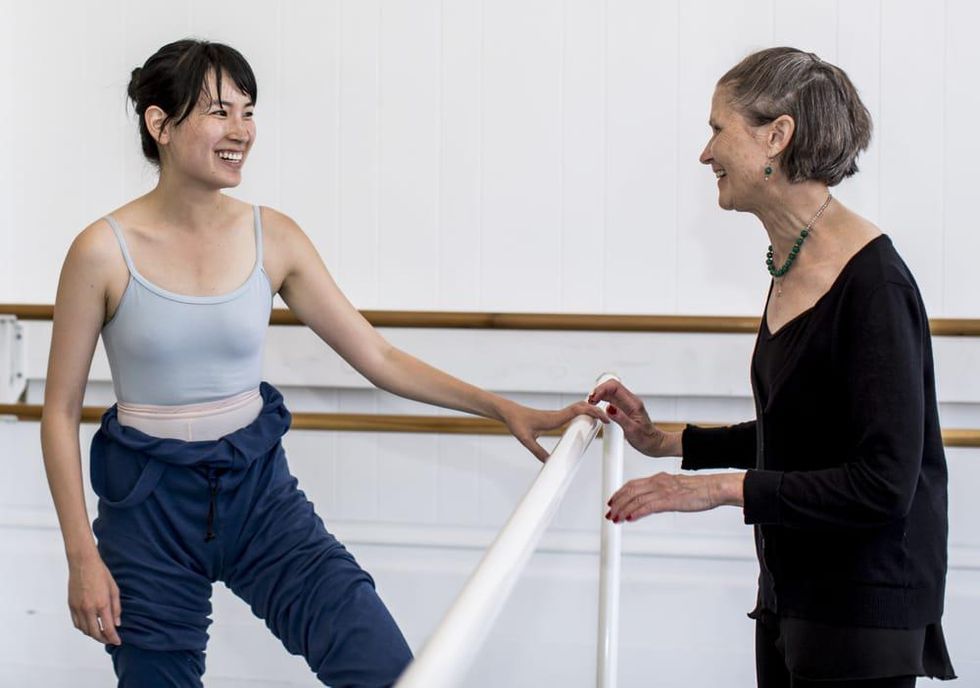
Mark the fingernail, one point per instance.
(629, 518)
(611, 410)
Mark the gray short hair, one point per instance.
(832, 124)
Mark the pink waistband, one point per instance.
(198, 422)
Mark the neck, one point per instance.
(186, 203)
(788, 210)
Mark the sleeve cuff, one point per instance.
(761, 496)
(694, 446)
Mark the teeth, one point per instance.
(229, 155)
(720, 173)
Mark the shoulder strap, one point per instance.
(258, 235)
(117, 230)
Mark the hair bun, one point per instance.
(134, 83)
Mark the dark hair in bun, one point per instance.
(175, 77)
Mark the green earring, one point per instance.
(768, 171)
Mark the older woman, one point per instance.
(846, 477)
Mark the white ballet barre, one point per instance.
(453, 646)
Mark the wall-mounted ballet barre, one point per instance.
(439, 425)
(355, 422)
(701, 324)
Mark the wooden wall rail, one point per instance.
(443, 425)
(709, 324)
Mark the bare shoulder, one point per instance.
(287, 247)
(96, 248)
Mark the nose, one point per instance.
(239, 130)
(706, 156)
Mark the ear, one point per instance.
(780, 134)
(154, 118)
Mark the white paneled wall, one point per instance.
(526, 155)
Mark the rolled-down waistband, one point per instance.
(236, 450)
(207, 421)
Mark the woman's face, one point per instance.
(212, 144)
(736, 153)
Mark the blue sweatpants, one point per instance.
(176, 516)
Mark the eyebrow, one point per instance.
(222, 103)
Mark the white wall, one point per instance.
(538, 155)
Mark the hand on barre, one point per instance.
(627, 410)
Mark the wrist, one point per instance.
(730, 489)
(81, 551)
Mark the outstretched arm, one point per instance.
(314, 297)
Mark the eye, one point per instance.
(220, 113)
(249, 114)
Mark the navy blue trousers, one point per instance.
(175, 517)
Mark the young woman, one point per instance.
(192, 481)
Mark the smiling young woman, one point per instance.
(188, 465)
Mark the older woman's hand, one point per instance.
(670, 492)
(627, 410)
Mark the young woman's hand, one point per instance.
(627, 410)
(527, 424)
(93, 598)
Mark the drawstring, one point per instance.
(212, 504)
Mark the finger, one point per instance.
(75, 621)
(583, 408)
(92, 627)
(108, 625)
(116, 606)
(539, 452)
(614, 392)
(617, 416)
(623, 496)
(650, 504)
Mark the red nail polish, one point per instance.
(611, 410)
(629, 518)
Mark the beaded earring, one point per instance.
(768, 169)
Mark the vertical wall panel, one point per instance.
(408, 260)
(8, 260)
(720, 254)
(641, 157)
(460, 173)
(859, 54)
(357, 272)
(309, 139)
(911, 138)
(810, 26)
(357, 463)
(521, 155)
(960, 151)
(65, 146)
(583, 160)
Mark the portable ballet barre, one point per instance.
(452, 647)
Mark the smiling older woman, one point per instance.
(846, 479)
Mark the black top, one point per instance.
(848, 483)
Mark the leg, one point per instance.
(138, 668)
(309, 589)
(770, 667)
(156, 554)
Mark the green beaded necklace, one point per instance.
(779, 272)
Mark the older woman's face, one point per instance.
(736, 153)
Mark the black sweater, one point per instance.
(848, 483)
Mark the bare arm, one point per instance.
(78, 315)
(315, 299)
